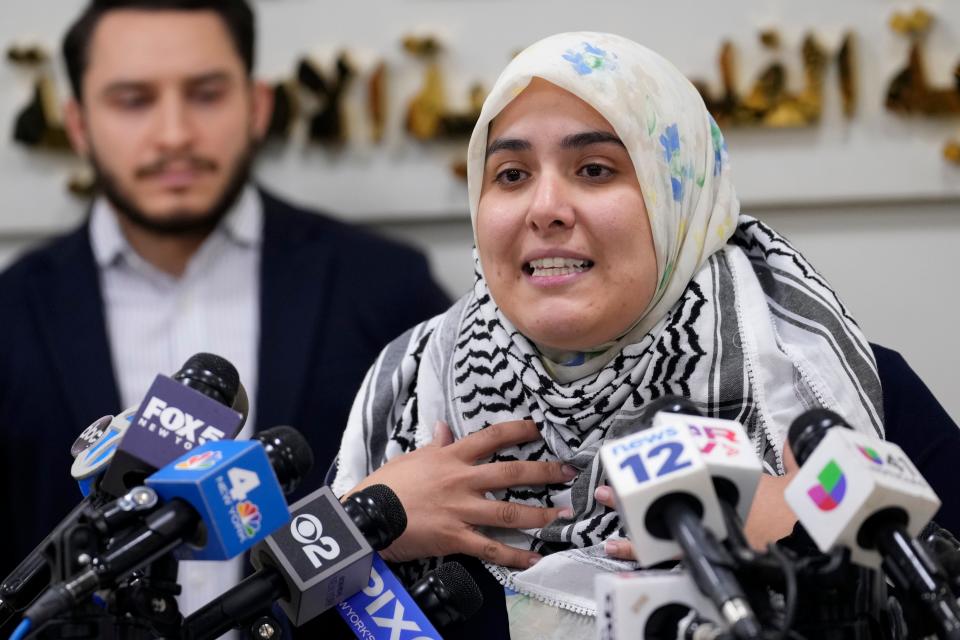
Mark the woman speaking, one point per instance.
(613, 267)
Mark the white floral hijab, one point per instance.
(676, 147)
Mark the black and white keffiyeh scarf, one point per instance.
(757, 337)
(740, 323)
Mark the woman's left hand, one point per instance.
(620, 548)
(769, 520)
(770, 517)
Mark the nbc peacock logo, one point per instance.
(870, 454)
(249, 517)
(200, 461)
(831, 488)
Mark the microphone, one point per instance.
(177, 415)
(93, 452)
(863, 493)
(446, 595)
(33, 574)
(324, 554)
(94, 449)
(728, 453)
(666, 496)
(236, 488)
(945, 548)
(667, 404)
(220, 500)
(652, 604)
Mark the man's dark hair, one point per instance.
(236, 14)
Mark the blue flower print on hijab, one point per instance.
(670, 140)
(590, 59)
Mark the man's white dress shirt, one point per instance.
(156, 321)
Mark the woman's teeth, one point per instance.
(542, 267)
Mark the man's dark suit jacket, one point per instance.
(331, 297)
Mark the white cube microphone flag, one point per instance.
(666, 491)
(647, 604)
(850, 477)
(679, 454)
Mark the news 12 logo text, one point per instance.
(828, 493)
(660, 460)
(666, 457)
(166, 420)
(244, 514)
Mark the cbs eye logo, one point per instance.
(308, 531)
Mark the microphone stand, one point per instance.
(838, 600)
(239, 608)
(918, 576)
(143, 605)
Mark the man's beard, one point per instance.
(179, 223)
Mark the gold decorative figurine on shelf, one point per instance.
(428, 115)
(40, 123)
(769, 102)
(910, 92)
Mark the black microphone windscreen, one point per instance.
(463, 588)
(669, 404)
(289, 454)
(212, 375)
(390, 506)
(809, 428)
(241, 404)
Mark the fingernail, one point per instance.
(565, 513)
(569, 471)
(603, 494)
(610, 547)
(436, 428)
(534, 561)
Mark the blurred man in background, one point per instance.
(181, 253)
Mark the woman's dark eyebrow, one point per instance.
(508, 144)
(573, 141)
(579, 140)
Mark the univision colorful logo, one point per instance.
(249, 517)
(870, 455)
(200, 461)
(833, 485)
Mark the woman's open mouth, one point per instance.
(546, 267)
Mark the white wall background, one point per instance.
(870, 201)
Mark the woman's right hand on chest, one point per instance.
(443, 490)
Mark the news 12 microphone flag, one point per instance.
(656, 462)
(728, 452)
